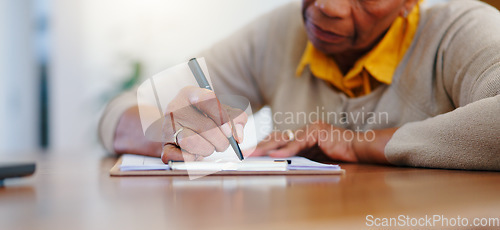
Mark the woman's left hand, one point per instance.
(337, 143)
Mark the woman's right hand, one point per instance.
(196, 124)
(201, 122)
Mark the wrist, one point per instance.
(369, 146)
(129, 137)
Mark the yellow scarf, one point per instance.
(375, 67)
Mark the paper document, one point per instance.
(144, 163)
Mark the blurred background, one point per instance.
(61, 61)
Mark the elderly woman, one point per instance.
(399, 85)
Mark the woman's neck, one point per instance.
(346, 61)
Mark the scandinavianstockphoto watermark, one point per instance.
(334, 131)
(431, 221)
(330, 133)
(361, 117)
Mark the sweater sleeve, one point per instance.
(469, 136)
(232, 66)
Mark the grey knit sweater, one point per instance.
(444, 97)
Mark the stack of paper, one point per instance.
(140, 163)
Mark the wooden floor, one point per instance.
(75, 191)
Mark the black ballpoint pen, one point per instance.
(203, 83)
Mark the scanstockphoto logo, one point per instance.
(430, 221)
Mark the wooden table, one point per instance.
(75, 191)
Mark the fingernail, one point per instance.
(275, 153)
(226, 129)
(239, 132)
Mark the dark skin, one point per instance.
(345, 30)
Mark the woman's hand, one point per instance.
(337, 143)
(195, 125)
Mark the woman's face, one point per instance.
(342, 26)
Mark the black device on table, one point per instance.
(15, 170)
